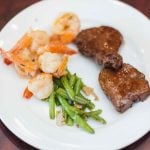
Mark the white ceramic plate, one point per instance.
(29, 119)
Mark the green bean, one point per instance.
(64, 114)
(66, 106)
(76, 110)
(96, 112)
(45, 99)
(72, 80)
(52, 105)
(67, 87)
(70, 122)
(83, 108)
(57, 102)
(78, 120)
(71, 102)
(83, 124)
(82, 100)
(90, 105)
(77, 99)
(62, 93)
(99, 119)
(68, 74)
(77, 86)
(57, 82)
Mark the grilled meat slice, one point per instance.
(124, 86)
(109, 60)
(100, 42)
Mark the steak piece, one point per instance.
(109, 60)
(124, 86)
(98, 42)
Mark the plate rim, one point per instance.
(35, 145)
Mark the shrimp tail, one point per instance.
(6, 56)
(24, 42)
(65, 38)
(60, 48)
(62, 68)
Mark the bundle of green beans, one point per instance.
(67, 93)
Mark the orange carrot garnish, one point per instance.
(27, 94)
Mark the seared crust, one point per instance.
(124, 87)
(103, 43)
(94, 40)
(110, 60)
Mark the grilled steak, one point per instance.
(109, 60)
(103, 43)
(124, 86)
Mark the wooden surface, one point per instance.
(8, 8)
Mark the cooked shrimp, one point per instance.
(56, 47)
(62, 38)
(26, 63)
(24, 42)
(24, 59)
(6, 57)
(39, 39)
(49, 62)
(62, 68)
(66, 23)
(41, 85)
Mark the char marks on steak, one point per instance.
(124, 86)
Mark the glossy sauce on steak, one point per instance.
(124, 86)
(103, 43)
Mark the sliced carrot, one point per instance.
(62, 68)
(56, 47)
(63, 38)
(24, 42)
(27, 94)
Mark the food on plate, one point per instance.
(49, 62)
(90, 91)
(43, 58)
(29, 52)
(27, 94)
(68, 93)
(56, 47)
(41, 85)
(65, 38)
(103, 43)
(62, 68)
(124, 86)
(122, 83)
(110, 60)
(39, 38)
(65, 28)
